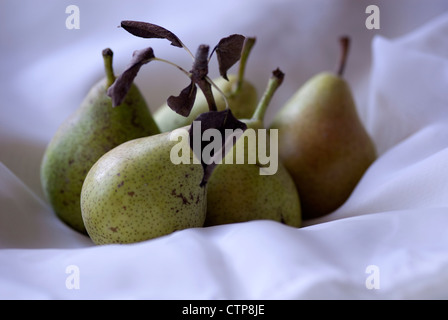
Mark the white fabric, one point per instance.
(390, 234)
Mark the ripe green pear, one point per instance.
(323, 143)
(242, 103)
(92, 130)
(239, 192)
(135, 192)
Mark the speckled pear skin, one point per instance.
(242, 105)
(135, 193)
(93, 129)
(323, 143)
(238, 193)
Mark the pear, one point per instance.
(135, 192)
(241, 192)
(241, 96)
(92, 130)
(322, 141)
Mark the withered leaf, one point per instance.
(220, 120)
(183, 103)
(119, 89)
(149, 30)
(228, 52)
(200, 65)
(199, 75)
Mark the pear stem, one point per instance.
(247, 47)
(345, 45)
(274, 82)
(188, 74)
(108, 58)
(219, 91)
(186, 49)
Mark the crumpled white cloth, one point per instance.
(388, 241)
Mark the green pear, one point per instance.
(135, 192)
(92, 130)
(240, 94)
(238, 193)
(323, 143)
(241, 192)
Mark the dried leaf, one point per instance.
(183, 103)
(149, 30)
(220, 120)
(199, 75)
(119, 89)
(228, 52)
(200, 65)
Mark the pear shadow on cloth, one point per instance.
(26, 219)
(23, 158)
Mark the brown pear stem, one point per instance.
(108, 57)
(345, 45)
